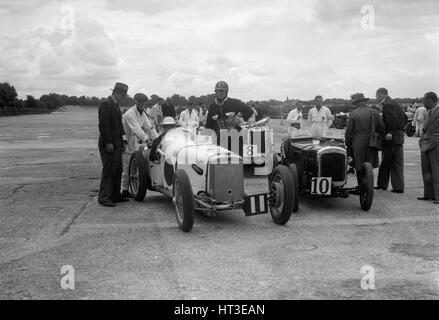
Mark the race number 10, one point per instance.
(321, 186)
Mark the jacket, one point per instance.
(110, 124)
(430, 137)
(357, 135)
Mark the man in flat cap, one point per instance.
(139, 128)
(112, 142)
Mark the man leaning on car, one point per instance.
(139, 128)
(112, 142)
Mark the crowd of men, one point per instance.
(369, 130)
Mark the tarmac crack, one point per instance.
(75, 217)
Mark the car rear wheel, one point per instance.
(138, 176)
(295, 194)
(281, 190)
(183, 201)
(366, 187)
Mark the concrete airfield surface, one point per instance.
(49, 175)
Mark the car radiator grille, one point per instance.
(333, 165)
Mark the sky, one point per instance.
(263, 49)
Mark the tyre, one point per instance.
(138, 175)
(295, 195)
(366, 187)
(275, 161)
(281, 190)
(183, 200)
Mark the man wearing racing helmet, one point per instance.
(225, 112)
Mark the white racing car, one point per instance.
(201, 176)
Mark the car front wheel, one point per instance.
(281, 190)
(183, 200)
(139, 178)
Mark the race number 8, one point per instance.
(250, 150)
(321, 186)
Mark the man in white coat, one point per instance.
(294, 119)
(320, 118)
(139, 129)
(419, 119)
(189, 116)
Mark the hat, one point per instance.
(168, 121)
(140, 97)
(121, 88)
(358, 97)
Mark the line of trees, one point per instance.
(10, 104)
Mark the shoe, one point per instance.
(126, 194)
(398, 191)
(425, 199)
(380, 188)
(108, 204)
(121, 200)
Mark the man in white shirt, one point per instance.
(189, 116)
(320, 118)
(294, 119)
(139, 129)
(419, 119)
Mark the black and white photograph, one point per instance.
(243, 152)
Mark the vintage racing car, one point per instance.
(319, 167)
(200, 176)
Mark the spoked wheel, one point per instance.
(281, 190)
(139, 179)
(366, 187)
(183, 201)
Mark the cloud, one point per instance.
(263, 49)
(71, 50)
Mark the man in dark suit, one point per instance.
(112, 142)
(429, 144)
(392, 163)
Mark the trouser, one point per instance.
(419, 128)
(392, 167)
(317, 131)
(109, 189)
(430, 173)
(126, 157)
